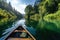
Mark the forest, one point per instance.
(8, 15)
(44, 16)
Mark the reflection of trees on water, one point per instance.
(44, 33)
(47, 31)
(32, 22)
(5, 23)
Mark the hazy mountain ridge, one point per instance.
(7, 6)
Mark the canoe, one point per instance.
(20, 33)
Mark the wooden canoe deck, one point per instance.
(20, 34)
(19, 31)
(20, 39)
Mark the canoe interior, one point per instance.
(20, 39)
(19, 34)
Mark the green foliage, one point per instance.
(45, 7)
(46, 19)
(4, 13)
(58, 1)
(7, 6)
(53, 18)
(5, 17)
(8, 15)
(36, 9)
(28, 10)
(51, 6)
(49, 14)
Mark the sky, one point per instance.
(20, 5)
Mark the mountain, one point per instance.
(7, 7)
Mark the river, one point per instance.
(15, 25)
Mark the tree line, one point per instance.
(8, 8)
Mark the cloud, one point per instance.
(18, 5)
(20, 8)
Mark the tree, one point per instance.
(28, 9)
(51, 6)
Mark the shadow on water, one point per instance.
(48, 32)
(32, 23)
(47, 35)
(45, 30)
